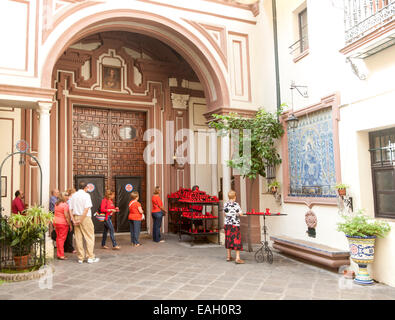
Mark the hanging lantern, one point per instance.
(292, 121)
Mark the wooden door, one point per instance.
(109, 142)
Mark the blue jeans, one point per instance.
(135, 227)
(157, 222)
(108, 226)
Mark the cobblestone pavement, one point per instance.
(175, 271)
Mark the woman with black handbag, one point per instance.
(107, 207)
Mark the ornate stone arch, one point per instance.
(181, 39)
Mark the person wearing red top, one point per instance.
(17, 205)
(107, 207)
(136, 214)
(62, 223)
(157, 213)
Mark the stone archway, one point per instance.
(182, 40)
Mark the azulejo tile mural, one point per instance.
(311, 156)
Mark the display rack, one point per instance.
(187, 220)
(182, 216)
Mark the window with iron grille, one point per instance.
(303, 31)
(382, 151)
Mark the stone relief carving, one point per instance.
(179, 101)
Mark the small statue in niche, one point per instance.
(311, 221)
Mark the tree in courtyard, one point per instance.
(260, 133)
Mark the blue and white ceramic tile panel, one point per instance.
(311, 156)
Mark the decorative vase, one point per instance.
(341, 192)
(362, 253)
(273, 190)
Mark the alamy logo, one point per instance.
(46, 280)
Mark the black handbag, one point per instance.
(53, 233)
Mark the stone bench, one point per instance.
(317, 253)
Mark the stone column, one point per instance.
(214, 162)
(44, 149)
(44, 109)
(226, 172)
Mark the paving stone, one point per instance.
(182, 295)
(302, 293)
(193, 288)
(269, 289)
(161, 292)
(178, 272)
(207, 297)
(295, 298)
(135, 289)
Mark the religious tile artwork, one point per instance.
(311, 156)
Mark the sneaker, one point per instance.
(93, 260)
(80, 261)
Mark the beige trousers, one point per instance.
(84, 231)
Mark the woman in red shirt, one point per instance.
(136, 214)
(62, 223)
(107, 207)
(157, 213)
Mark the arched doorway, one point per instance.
(155, 95)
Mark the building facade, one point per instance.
(83, 82)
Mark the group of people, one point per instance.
(72, 215)
(72, 211)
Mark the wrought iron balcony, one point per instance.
(299, 46)
(362, 17)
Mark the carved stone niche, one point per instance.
(180, 101)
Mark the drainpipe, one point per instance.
(274, 10)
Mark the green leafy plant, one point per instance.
(341, 186)
(265, 131)
(361, 225)
(20, 232)
(274, 184)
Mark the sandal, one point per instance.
(229, 259)
(116, 248)
(137, 245)
(104, 247)
(62, 258)
(239, 261)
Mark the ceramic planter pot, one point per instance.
(342, 192)
(273, 190)
(362, 253)
(21, 262)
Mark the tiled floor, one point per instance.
(174, 270)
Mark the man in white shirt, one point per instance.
(80, 208)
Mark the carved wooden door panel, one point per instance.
(90, 141)
(127, 149)
(110, 143)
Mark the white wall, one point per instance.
(366, 106)
(10, 131)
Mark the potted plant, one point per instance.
(273, 187)
(361, 232)
(21, 232)
(341, 189)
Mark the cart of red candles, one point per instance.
(186, 209)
